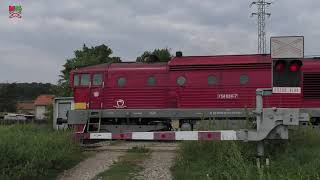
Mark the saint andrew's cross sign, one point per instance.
(15, 11)
(287, 47)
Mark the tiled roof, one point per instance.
(25, 105)
(43, 100)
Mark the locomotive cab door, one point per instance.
(81, 89)
(96, 90)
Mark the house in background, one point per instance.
(41, 105)
(25, 107)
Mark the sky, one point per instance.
(34, 48)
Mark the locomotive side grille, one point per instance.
(222, 66)
(311, 85)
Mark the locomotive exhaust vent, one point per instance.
(179, 54)
(311, 85)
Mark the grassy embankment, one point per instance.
(35, 152)
(298, 158)
(127, 166)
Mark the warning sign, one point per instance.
(287, 47)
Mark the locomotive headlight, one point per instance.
(96, 94)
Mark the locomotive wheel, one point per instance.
(186, 127)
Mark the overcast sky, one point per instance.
(34, 48)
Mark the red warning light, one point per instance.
(294, 67)
(280, 66)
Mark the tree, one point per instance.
(8, 102)
(158, 55)
(84, 57)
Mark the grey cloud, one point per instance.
(35, 47)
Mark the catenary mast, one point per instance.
(261, 17)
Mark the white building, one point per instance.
(41, 105)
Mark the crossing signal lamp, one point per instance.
(287, 53)
(286, 72)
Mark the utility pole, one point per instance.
(261, 16)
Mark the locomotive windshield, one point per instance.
(84, 79)
(81, 80)
(97, 79)
(76, 80)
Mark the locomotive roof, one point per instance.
(191, 60)
(98, 67)
(123, 65)
(154, 67)
(221, 59)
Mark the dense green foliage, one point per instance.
(157, 55)
(11, 93)
(8, 95)
(34, 152)
(298, 158)
(205, 160)
(82, 58)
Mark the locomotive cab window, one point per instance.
(244, 79)
(212, 80)
(122, 81)
(76, 80)
(181, 80)
(97, 79)
(85, 80)
(151, 81)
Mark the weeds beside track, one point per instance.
(297, 158)
(35, 152)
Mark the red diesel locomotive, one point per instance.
(124, 97)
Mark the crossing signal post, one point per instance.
(286, 54)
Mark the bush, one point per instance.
(35, 152)
(210, 160)
(297, 158)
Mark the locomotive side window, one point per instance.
(76, 80)
(85, 79)
(244, 79)
(122, 81)
(212, 80)
(151, 81)
(97, 79)
(181, 80)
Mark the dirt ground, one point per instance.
(92, 166)
(156, 167)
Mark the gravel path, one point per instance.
(157, 167)
(92, 166)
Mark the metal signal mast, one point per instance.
(261, 15)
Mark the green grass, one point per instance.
(35, 152)
(127, 166)
(298, 158)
